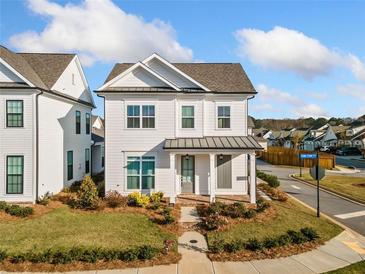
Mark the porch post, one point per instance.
(212, 177)
(252, 178)
(173, 178)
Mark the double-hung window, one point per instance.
(70, 165)
(224, 117)
(141, 172)
(87, 122)
(14, 174)
(138, 119)
(78, 122)
(87, 160)
(14, 113)
(187, 116)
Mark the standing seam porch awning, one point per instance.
(213, 142)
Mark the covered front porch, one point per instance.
(212, 167)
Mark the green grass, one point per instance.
(63, 228)
(344, 185)
(290, 215)
(356, 268)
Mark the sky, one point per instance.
(304, 58)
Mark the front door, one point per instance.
(224, 171)
(187, 174)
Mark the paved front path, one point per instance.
(331, 205)
(341, 251)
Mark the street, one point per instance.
(344, 211)
(354, 161)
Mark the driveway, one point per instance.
(344, 211)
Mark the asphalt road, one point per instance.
(329, 204)
(354, 161)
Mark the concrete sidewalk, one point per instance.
(343, 250)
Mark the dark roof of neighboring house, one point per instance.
(214, 142)
(250, 122)
(96, 138)
(218, 77)
(97, 134)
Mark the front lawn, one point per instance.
(290, 216)
(356, 268)
(351, 187)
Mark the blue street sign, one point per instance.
(308, 156)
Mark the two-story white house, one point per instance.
(45, 117)
(179, 128)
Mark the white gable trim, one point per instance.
(137, 65)
(16, 72)
(167, 63)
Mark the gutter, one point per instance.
(37, 146)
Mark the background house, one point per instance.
(97, 148)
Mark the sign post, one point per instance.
(305, 156)
(317, 173)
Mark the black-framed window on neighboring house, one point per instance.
(70, 165)
(133, 116)
(187, 114)
(224, 117)
(141, 172)
(102, 156)
(87, 122)
(87, 160)
(78, 122)
(148, 116)
(14, 113)
(14, 174)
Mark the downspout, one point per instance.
(37, 146)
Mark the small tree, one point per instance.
(88, 194)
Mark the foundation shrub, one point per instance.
(261, 205)
(168, 218)
(19, 211)
(213, 222)
(114, 199)
(138, 199)
(44, 199)
(156, 197)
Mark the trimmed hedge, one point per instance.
(270, 179)
(82, 254)
(306, 234)
(16, 210)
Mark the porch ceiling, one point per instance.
(214, 142)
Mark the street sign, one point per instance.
(308, 156)
(317, 173)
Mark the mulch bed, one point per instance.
(277, 252)
(163, 259)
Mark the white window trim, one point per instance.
(216, 116)
(140, 116)
(181, 119)
(140, 189)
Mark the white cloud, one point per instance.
(100, 31)
(274, 100)
(291, 50)
(353, 90)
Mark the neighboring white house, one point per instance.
(45, 118)
(178, 128)
(319, 137)
(97, 149)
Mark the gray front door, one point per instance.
(224, 171)
(187, 174)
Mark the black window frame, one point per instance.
(8, 114)
(70, 170)
(87, 160)
(102, 155)
(87, 123)
(7, 175)
(78, 121)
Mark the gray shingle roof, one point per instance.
(214, 142)
(218, 77)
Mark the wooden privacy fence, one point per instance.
(290, 157)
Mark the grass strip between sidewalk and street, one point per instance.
(350, 187)
(356, 268)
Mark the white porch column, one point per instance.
(212, 177)
(252, 178)
(173, 178)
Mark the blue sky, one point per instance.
(304, 58)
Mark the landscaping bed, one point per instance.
(347, 186)
(87, 232)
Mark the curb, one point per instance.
(326, 190)
(358, 235)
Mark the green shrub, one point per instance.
(3, 255)
(253, 244)
(213, 222)
(296, 237)
(44, 199)
(217, 246)
(236, 210)
(156, 197)
(101, 189)
(75, 186)
(261, 205)
(234, 246)
(15, 259)
(249, 214)
(88, 194)
(129, 255)
(114, 199)
(270, 179)
(19, 211)
(271, 242)
(167, 215)
(215, 208)
(3, 205)
(309, 233)
(284, 240)
(138, 199)
(146, 252)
